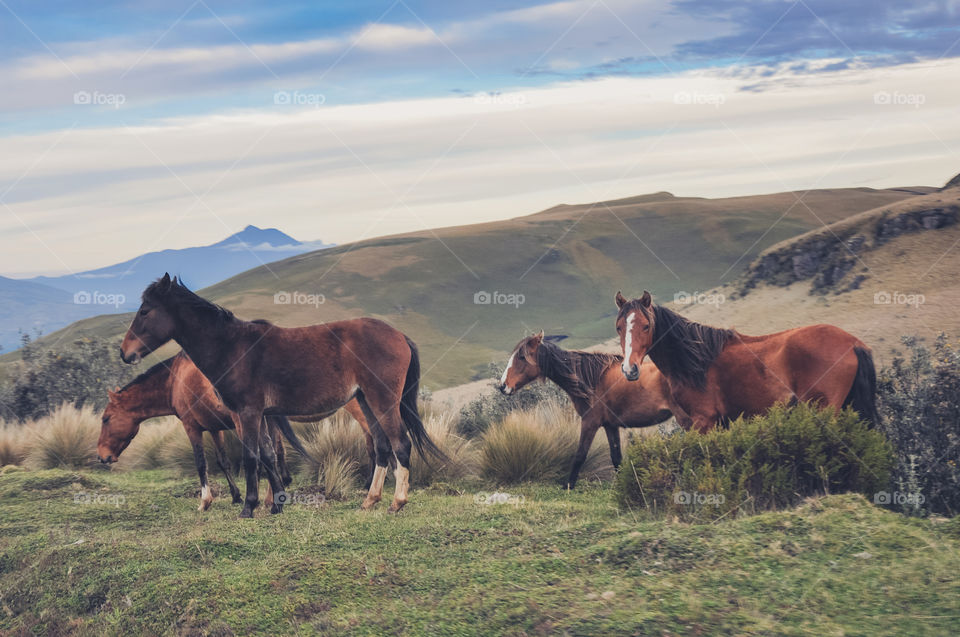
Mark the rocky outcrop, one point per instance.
(828, 258)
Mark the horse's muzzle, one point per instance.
(506, 391)
(630, 373)
(107, 460)
(129, 360)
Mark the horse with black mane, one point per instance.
(258, 368)
(597, 389)
(175, 387)
(718, 374)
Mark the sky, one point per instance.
(134, 126)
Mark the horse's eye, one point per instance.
(144, 312)
(646, 328)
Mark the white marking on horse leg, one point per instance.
(206, 498)
(403, 485)
(376, 487)
(628, 343)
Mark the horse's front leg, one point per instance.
(247, 423)
(613, 440)
(588, 429)
(224, 465)
(276, 494)
(195, 434)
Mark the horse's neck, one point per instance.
(562, 380)
(203, 342)
(150, 398)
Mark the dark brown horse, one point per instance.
(176, 387)
(597, 388)
(258, 368)
(718, 374)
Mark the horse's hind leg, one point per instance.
(392, 425)
(613, 440)
(280, 451)
(588, 430)
(268, 459)
(248, 424)
(224, 465)
(383, 452)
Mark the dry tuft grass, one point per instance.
(340, 447)
(539, 444)
(13, 443)
(149, 447)
(67, 438)
(462, 453)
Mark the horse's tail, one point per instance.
(283, 424)
(408, 409)
(863, 392)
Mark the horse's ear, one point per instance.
(165, 282)
(112, 395)
(620, 300)
(646, 300)
(534, 342)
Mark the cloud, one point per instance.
(340, 173)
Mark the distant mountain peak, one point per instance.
(254, 236)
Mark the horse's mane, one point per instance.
(149, 374)
(576, 372)
(682, 349)
(179, 294)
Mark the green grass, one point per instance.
(145, 561)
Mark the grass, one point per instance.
(539, 444)
(65, 438)
(130, 554)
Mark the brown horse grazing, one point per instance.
(176, 387)
(597, 388)
(258, 368)
(718, 374)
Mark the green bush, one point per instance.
(477, 416)
(920, 411)
(761, 463)
(79, 375)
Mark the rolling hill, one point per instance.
(466, 294)
(882, 274)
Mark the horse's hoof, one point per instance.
(395, 508)
(368, 505)
(246, 513)
(276, 508)
(237, 499)
(204, 505)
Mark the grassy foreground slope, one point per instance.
(566, 262)
(144, 561)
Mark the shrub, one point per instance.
(338, 443)
(477, 416)
(13, 443)
(461, 452)
(761, 463)
(149, 448)
(67, 438)
(539, 444)
(920, 410)
(78, 375)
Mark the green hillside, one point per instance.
(566, 262)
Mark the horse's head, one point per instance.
(153, 325)
(119, 426)
(522, 367)
(635, 327)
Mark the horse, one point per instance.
(176, 387)
(597, 389)
(258, 368)
(718, 374)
